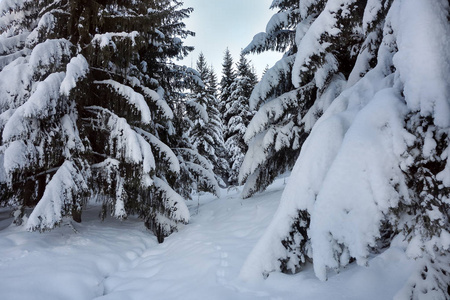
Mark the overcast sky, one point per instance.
(227, 23)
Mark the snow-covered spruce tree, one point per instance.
(325, 52)
(228, 77)
(82, 107)
(206, 128)
(374, 171)
(196, 173)
(220, 162)
(238, 116)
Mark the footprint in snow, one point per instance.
(223, 264)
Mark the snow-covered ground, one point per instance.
(122, 260)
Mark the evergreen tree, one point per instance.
(296, 91)
(216, 125)
(88, 111)
(228, 77)
(374, 170)
(238, 115)
(205, 129)
(212, 82)
(196, 173)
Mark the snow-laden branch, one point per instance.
(133, 98)
(59, 198)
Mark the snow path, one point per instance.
(121, 260)
(203, 259)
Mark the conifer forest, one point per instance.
(125, 174)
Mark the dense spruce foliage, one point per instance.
(206, 127)
(237, 113)
(296, 91)
(228, 77)
(368, 83)
(89, 98)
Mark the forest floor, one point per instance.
(122, 260)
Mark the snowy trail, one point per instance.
(121, 260)
(203, 258)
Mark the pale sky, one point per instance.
(227, 23)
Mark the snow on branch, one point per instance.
(323, 101)
(7, 60)
(72, 136)
(134, 98)
(107, 39)
(264, 143)
(195, 157)
(7, 5)
(270, 81)
(278, 21)
(161, 104)
(271, 112)
(255, 156)
(258, 44)
(44, 27)
(204, 177)
(14, 92)
(75, 70)
(199, 109)
(9, 9)
(200, 168)
(366, 189)
(195, 76)
(174, 205)
(41, 104)
(50, 55)
(19, 155)
(155, 98)
(60, 198)
(9, 45)
(163, 150)
(279, 34)
(125, 143)
(423, 60)
(108, 171)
